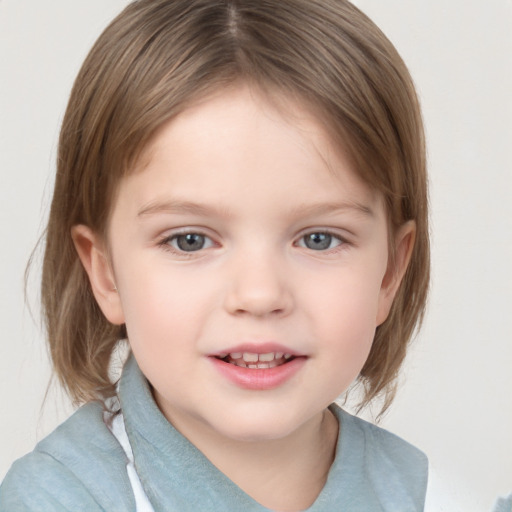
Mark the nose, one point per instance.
(258, 286)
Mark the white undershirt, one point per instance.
(117, 428)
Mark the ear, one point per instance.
(404, 244)
(92, 254)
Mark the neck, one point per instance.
(281, 474)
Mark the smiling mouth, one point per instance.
(255, 361)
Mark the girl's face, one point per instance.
(247, 240)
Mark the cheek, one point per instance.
(163, 308)
(163, 324)
(348, 298)
(345, 314)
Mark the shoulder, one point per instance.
(80, 466)
(503, 504)
(395, 468)
(385, 444)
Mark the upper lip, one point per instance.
(257, 348)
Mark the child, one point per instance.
(241, 195)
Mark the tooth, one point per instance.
(265, 358)
(250, 358)
(287, 356)
(236, 355)
(263, 365)
(273, 364)
(252, 366)
(240, 363)
(279, 355)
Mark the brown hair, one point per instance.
(158, 56)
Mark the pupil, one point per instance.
(318, 241)
(190, 242)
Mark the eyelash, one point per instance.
(166, 242)
(334, 236)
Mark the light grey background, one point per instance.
(456, 396)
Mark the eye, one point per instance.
(189, 242)
(320, 241)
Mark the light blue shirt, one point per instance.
(82, 467)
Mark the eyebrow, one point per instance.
(333, 208)
(181, 207)
(177, 207)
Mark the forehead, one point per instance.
(241, 145)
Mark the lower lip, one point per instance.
(256, 378)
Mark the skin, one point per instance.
(255, 180)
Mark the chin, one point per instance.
(258, 428)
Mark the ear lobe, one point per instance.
(92, 254)
(404, 244)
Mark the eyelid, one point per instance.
(343, 240)
(165, 240)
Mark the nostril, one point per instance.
(260, 312)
